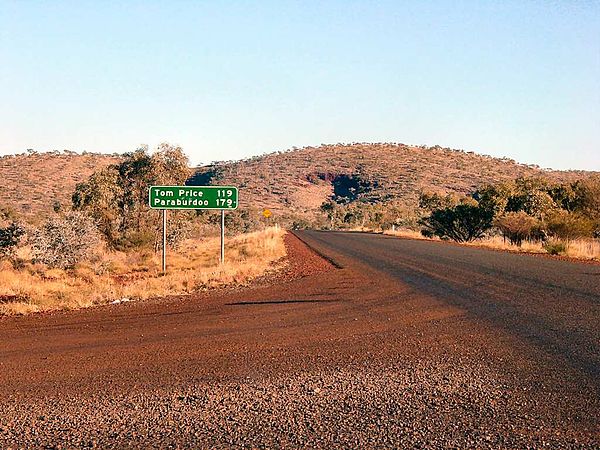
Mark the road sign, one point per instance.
(193, 197)
(267, 213)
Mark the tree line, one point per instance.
(533, 209)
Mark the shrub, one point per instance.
(240, 221)
(9, 238)
(516, 226)
(462, 223)
(62, 242)
(534, 203)
(555, 247)
(565, 225)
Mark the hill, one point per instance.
(31, 184)
(298, 181)
(292, 183)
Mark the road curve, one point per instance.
(401, 343)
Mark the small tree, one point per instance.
(462, 223)
(516, 226)
(117, 196)
(64, 241)
(9, 238)
(494, 196)
(567, 226)
(432, 201)
(535, 203)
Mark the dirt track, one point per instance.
(410, 343)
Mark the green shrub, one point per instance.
(555, 247)
(9, 238)
(567, 225)
(462, 223)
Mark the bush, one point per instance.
(62, 242)
(9, 238)
(462, 223)
(516, 226)
(555, 247)
(568, 226)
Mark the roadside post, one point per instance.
(164, 240)
(222, 198)
(222, 259)
(267, 215)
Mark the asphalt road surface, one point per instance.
(397, 344)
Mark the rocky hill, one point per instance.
(294, 182)
(298, 181)
(31, 184)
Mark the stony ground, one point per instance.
(423, 405)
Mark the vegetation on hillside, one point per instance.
(102, 244)
(295, 183)
(104, 247)
(35, 184)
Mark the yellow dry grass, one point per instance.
(134, 276)
(407, 233)
(579, 248)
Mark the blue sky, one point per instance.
(229, 79)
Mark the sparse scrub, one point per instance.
(136, 274)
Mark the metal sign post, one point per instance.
(222, 237)
(164, 241)
(192, 197)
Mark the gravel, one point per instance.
(421, 405)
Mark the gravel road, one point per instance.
(404, 344)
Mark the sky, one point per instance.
(231, 79)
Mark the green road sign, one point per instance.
(193, 197)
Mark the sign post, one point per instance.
(164, 240)
(222, 237)
(192, 197)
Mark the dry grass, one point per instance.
(581, 248)
(407, 233)
(134, 276)
(497, 242)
